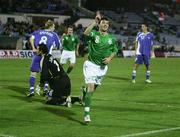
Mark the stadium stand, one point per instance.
(35, 6)
(125, 21)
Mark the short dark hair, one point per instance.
(104, 18)
(70, 26)
(43, 48)
(145, 23)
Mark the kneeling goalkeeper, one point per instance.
(59, 82)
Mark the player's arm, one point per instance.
(57, 42)
(62, 38)
(152, 51)
(114, 51)
(92, 25)
(77, 49)
(135, 45)
(89, 28)
(31, 41)
(153, 47)
(62, 41)
(108, 59)
(136, 41)
(77, 45)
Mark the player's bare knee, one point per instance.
(33, 74)
(91, 88)
(72, 65)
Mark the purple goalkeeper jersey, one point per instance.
(49, 38)
(145, 43)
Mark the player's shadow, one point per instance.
(118, 78)
(126, 109)
(28, 99)
(12, 80)
(62, 113)
(17, 89)
(22, 94)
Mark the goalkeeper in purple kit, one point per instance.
(51, 40)
(144, 50)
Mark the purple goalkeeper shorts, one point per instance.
(140, 59)
(35, 65)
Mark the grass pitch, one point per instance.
(119, 108)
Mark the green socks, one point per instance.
(87, 101)
(69, 70)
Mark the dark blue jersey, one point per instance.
(145, 43)
(49, 38)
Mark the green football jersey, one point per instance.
(100, 46)
(69, 42)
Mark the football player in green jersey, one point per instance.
(70, 44)
(102, 48)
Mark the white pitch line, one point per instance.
(3, 135)
(150, 132)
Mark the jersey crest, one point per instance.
(73, 39)
(110, 41)
(142, 37)
(66, 38)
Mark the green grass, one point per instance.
(118, 108)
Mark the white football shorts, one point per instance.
(93, 73)
(68, 56)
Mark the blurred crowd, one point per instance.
(35, 6)
(23, 29)
(125, 30)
